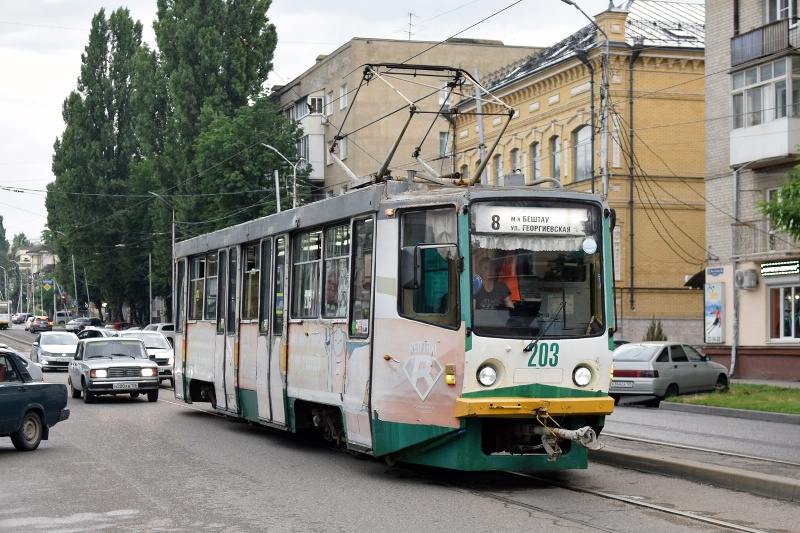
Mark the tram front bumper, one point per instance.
(528, 407)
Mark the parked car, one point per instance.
(28, 408)
(158, 349)
(112, 365)
(91, 332)
(19, 318)
(167, 328)
(77, 324)
(54, 349)
(28, 322)
(62, 317)
(40, 323)
(663, 369)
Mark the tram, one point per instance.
(451, 325)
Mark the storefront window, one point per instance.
(784, 305)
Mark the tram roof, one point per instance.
(391, 194)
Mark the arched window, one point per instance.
(498, 168)
(536, 161)
(464, 172)
(582, 144)
(555, 156)
(515, 161)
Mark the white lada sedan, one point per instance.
(112, 365)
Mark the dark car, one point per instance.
(41, 323)
(28, 408)
(77, 324)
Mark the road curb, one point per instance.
(780, 418)
(728, 478)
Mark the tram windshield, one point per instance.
(536, 269)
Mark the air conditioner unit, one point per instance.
(746, 279)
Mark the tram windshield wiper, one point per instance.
(533, 343)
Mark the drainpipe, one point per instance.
(637, 49)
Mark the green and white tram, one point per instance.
(461, 327)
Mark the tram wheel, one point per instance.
(391, 460)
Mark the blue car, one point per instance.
(28, 408)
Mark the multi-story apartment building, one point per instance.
(325, 94)
(655, 154)
(753, 130)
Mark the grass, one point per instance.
(751, 397)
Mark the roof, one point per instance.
(654, 23)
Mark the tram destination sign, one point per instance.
(530, 220)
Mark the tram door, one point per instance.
(225, 352)
(277, 346)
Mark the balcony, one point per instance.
(760, 42)
(772, 142)
(755, 239)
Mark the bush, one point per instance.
(654, 331)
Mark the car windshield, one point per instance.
(152, 342)
(59, 338)
(636, 352)
(116, 347)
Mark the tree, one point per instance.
(243, 186)
(654, 331)
(216, 55)
(86, 202)
(784, 210)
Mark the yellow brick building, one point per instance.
(655, 155)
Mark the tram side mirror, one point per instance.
(612, 218)
(410, 267)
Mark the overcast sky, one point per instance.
(41, 42)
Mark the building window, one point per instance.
(582, 144)
(343, 149)
(536, 161)
(329, 104)
(444, 143)
(343, 96)
(302, 148)
(515, 161)
(555, 156)
(464, 172)
(300, 109)
(784, 312)
(781, 9)
(761, 94)
(315, 104)
(498, 168)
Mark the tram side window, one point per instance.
(305, 278)
(280, 265)
(337, 271)
(361, 288)
(252, 270)
(435, 297)
(197, 274)
(211, 286)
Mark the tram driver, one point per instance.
(492, 294)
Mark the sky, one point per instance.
(41, 42)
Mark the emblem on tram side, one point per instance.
(422, 368)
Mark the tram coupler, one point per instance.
(584, 436)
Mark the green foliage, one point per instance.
(784, 210)
(751, 397)
(133, 128)
(654, 331)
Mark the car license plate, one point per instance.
(125, 385)
(64, 359)
(622, 384)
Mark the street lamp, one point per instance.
(172, 253)
(5, 287)
(294, 172)
(606, 66)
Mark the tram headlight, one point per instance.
(487, 375)
(582, 376)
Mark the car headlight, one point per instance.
(148, 372)
(99, 373)
(487, 375)
(171, 361)
(45, 353)
(582, 376)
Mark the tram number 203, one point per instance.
(544, 354)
